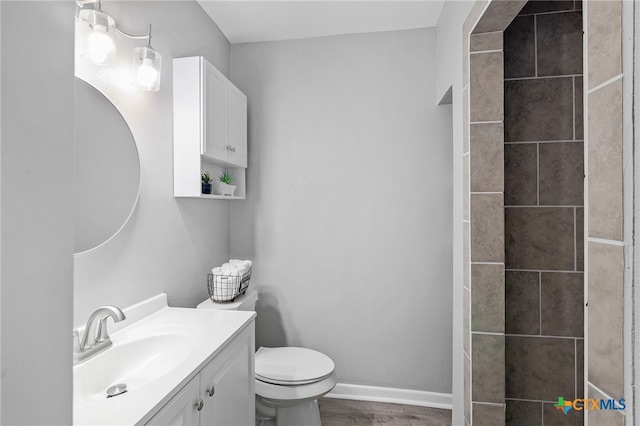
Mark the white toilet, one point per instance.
(289, 380)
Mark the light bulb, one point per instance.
(147, 66)
(146, 74)
(100, 44)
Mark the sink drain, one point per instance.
(116, 390)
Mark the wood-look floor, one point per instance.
(345, 412)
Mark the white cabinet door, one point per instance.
(216, 113)
(223, 392)
(182, 409)
(237, 127)
(227, 386)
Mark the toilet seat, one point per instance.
(283, 396)
(292, 366)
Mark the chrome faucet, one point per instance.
(96, 337)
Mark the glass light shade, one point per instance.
(101, 44)
(147, 64)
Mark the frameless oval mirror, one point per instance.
(107, 168)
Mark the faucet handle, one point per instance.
(76, 342)
(103, 334)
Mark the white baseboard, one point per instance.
(391, 395)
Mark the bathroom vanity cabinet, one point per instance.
(221, 394)
(179, 366)
(209, 127)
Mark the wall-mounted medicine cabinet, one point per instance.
(209, 128)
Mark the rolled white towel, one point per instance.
(223, 288)
(231, 269)
(242, 268)
(226, 269)
(236, 270)
(245, 265)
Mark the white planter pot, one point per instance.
(221, 188)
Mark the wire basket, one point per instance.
(224, 288)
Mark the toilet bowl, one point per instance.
(288, 380)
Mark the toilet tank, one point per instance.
(245, 302)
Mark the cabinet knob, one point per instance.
(211, 390)
(231, 148)
(199, 405)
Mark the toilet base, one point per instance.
(306, 413)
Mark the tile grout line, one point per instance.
(539, 303)
(530, 142)
(487, 333)
(492, 404)
(575, 369)
(538, 336)
(538, 173)
(575, 239)
(547, 206)
(490, 32)
(486, 51)
(604, 84)
(544, 401)
(574, 108)
(553, 12)
(547, 271)
(535, 44)
(605, 241)
(541, 77)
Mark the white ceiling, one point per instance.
(249, 21)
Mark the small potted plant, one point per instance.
(206, 183)
(224, 184)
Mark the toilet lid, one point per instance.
(292, 366)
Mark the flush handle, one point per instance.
(199, 405)
(211, 390)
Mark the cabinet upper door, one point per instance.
(227, 386)
(182, 409)
(215, 111)
(237, 127)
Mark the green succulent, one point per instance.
(226, 178)
(206, 177)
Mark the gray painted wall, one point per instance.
(170, 243)
(37, 215)
(348, 216)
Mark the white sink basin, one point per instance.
(134, 362)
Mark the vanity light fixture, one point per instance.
(101, 43)
(147, 65)
(101, 46)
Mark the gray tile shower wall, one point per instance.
(606, 239)
(544, 208)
